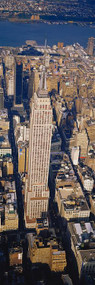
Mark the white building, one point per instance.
(88, 183)
(37, 192)
(22, 133)
(9, 61)
(81, 141)
(11, 86)
(75, 155)
(1, 69)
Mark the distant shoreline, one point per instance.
(59, 22)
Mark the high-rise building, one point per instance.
(75, 155)
(9, 61)
(22, 157)
(1, 68)
(81, 141)
(91, 46)
(36, 191)
(1, 98)
(10, 85)
(18, 83)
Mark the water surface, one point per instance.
(15, 34)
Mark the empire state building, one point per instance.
(36, 190)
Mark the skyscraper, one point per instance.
(18, 83)
(1, 98)
(37, 192)
(91, 46)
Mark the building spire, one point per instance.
(43, 84)
(45, 44)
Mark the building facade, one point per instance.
(48, 253)
(18, 83)
(36, 190)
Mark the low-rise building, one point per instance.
(92, 203)
(83, 245)
(15, 256)
(47, 253)
(71, 202)
(86, 176)
(8, 206)
(90, 126)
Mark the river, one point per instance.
(15, 34)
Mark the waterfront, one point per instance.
(15, 34)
